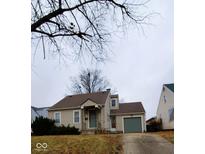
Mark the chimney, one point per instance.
(108, 90)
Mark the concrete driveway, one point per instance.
(139, 143)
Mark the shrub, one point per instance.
(62, 130)
(154, 126)
(42, 126)
(45, 126)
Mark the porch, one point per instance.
(91, 118)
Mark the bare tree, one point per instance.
(86, 25)
(88, 81)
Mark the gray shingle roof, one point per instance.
(114, 96)
(128, 108)
(170, 86)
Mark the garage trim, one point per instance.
(130, 116)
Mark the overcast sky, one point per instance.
(140, 65)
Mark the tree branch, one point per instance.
(55, 13)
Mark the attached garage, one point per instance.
(132, 124)
(129, 118)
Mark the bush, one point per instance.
(62, 130)
(45, 126)
(154, 126)
(42, 126)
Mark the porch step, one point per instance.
(83, 132)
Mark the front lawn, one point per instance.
(169, 135)
(77, 144)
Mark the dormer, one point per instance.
(114, 102)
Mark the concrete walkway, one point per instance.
(137, 143)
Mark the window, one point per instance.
(113, 102)
(171, 114)
(57, 117)
(165, 100)
(76, 116)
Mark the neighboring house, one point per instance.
(165, 110)
(98, 111)
(151, 120)
(37, 112)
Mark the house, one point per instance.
(151, 120)
(165, 110)
(98, 111)
(37, 112)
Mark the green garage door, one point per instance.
(132, 125)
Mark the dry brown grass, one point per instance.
(78, 144)
(169, 135)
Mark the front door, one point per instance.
(92, 119)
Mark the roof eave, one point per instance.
(65, 108)
(127, 113)
(69, 108)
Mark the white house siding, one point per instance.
(119, 121)
(162, 111)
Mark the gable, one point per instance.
(166, 101)
(88, 103)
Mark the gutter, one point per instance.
(128, 113)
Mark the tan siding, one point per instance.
(66, 118)
(107, 114)
(119, 123)
(117, 104)
(103, 117)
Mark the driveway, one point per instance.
(137, 143)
